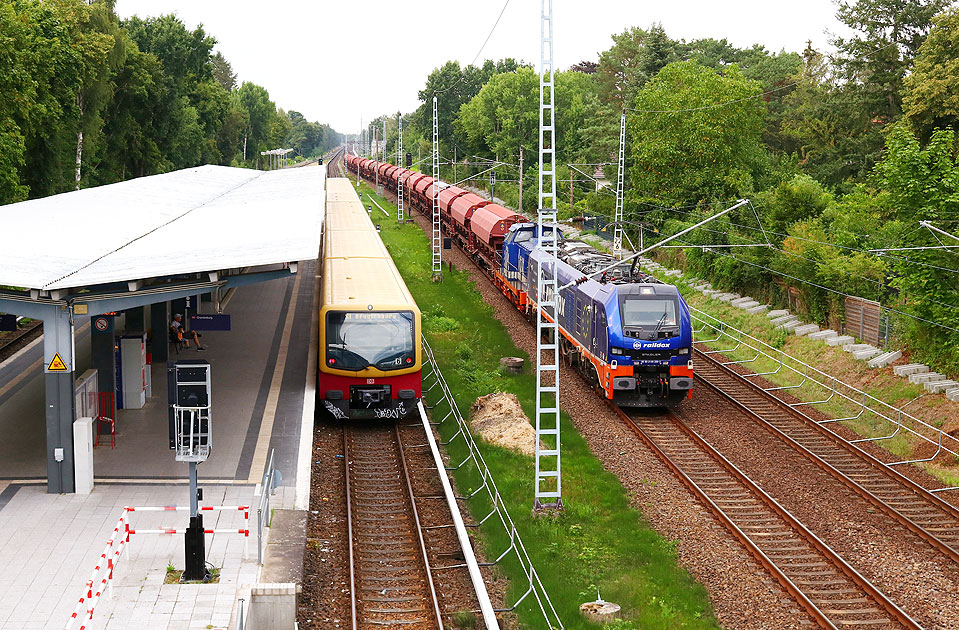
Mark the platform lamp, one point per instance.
(191, 438)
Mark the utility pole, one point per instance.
(547, 484)
(520, 210)
(401, 165)
(454, 164)
(437, 235)
(376, 171)
(618, 217)
(384, 138)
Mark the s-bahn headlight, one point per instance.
(683, 351)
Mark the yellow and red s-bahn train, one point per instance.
(370, 351)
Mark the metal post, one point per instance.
(520, 209)
(401, 164)
(384, 138)
(618, 218)
(492, 183)
(376, 171)
(58, 378)
(547, 487)
(194, 539)
(437, 236)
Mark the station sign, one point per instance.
(210, 321)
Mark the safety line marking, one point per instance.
(269, 412)
(301, 499)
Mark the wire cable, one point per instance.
(480, 51)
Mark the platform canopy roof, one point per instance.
(193, 220)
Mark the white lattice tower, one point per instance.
(548, 487)
(400, 163)
(618, 218)
(437, 235)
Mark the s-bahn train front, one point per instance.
(370, 332)
(370, 361)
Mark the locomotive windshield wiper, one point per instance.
(660, 323)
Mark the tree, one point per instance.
(255, 100)
(504, 115)
(223, 72)
(697, 134)
(825, 124)
(635, 57)
(923, 184)
(931, 97)
(889, 34)
(454, 86)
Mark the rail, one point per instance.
(498, 506)
(745, 518)
(479, 586)
(824, 387)
(263, 507)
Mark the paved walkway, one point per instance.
(49, 544)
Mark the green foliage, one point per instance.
(931, 97)
(711, 149)
(798, 199)
(84, 92)
(923, 184)
(888, 36)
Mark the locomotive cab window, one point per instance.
(643, 312)
(357, 340)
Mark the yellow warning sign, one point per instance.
(57, 364)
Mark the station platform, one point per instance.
(262, 401)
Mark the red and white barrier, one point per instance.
(245, 531)
(107, 560)
(102, 576)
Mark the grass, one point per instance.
(600, 541)
(174, 576)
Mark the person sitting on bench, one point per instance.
(179, 332)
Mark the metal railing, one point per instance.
(263, 508)
(821, 388)
(446, 403)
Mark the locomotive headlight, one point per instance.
(615, 350)
(683, 351)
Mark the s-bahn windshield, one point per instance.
(357, 340)
(649, 312)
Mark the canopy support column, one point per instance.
(58, 377)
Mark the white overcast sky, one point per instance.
(339, 61)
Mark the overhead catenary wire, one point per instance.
(480, 51)
(835, 291)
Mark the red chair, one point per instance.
(106, 414)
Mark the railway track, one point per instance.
(391, 584)
(18, 339)
(833, 593)
(911, 505)
(334, 165)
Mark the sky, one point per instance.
(340, 62)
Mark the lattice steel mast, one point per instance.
(548, 487)
(400, 163)
(618, 219)
(437, 236)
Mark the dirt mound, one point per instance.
(500, 420)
